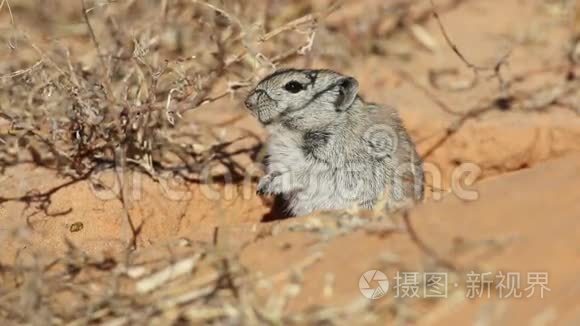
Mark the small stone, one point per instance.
(76, 227)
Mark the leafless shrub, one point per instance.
(146, 64)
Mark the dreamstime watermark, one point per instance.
(218, 185)
(345, 180)
(374, 284)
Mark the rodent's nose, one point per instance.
(252, 99)
(249, 102)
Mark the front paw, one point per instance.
(267, 184)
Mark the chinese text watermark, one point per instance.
(374, 284)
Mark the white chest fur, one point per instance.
(309, 184)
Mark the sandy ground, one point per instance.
(519, 212)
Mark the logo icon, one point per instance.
(373, 284)
(381, 141)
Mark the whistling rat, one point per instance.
(328, 148)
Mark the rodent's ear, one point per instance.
(348, 89)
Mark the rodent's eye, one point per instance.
(293, 87)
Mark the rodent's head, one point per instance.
(302, 99)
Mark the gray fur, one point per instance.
(328, 149)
